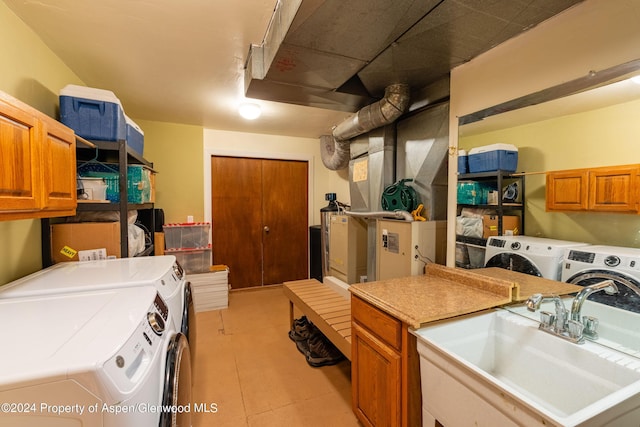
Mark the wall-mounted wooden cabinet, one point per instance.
(605, 189)
(38, 155)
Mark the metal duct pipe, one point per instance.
(334, 153)
(335, 148)
(397, 214)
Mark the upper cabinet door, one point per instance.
(20, 134)
(567, 190)
(58, 166)
(614, 189)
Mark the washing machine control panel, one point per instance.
(581, 256)
(178, 271)
(516, 246)
(161, 307)
(131, 361)
(498, 243)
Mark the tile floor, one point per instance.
(247, 365)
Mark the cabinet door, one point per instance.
(567, 190)
(20, 133)
(614, 189)
(376, 380)
(58, 166)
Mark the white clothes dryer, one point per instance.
(103, 358)
(536, 256)
(595, 263)
(163, 272)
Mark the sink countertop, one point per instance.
(445, 292)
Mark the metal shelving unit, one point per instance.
(500, 177)
(111, 152)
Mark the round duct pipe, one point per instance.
(334, 148)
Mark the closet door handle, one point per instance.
(266, 228)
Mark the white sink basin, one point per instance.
(563, 383)
(618, 329)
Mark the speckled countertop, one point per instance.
(527, 285)
(445, 292)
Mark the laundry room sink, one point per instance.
(511, 373)
(617, 328)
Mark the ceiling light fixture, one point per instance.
(250, 111)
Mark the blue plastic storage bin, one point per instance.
(92, 113)
(135, 136)
(473, 192)
(463, 162)
(493, 157)
(138, 180)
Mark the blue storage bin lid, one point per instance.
(493, 147)
(90, 93)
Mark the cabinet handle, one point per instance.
(266, 228)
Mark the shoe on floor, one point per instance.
(302, 329)
(322, 352)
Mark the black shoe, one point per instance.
(322, 352)
(302, 330)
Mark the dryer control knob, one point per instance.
(611, 261)
(156, 322)
(515, 246)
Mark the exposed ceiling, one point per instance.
(183, 61)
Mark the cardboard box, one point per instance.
(73, 237)
(510, 225)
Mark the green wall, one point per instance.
(33, 74)
(602, 137)
(176, 153)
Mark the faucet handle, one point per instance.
(575, 329)
(590, 327)
(547, 319)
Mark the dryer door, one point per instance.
(625, 299)
(177, 383)
(188, 313)
(514, 262)
(189, 319)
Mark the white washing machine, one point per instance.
(593, 264)
(531, 255)
(163, 272)
(104, 358)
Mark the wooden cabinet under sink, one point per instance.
(605, 189)
(38, 155)
(385, 368)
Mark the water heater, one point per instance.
(347, 248)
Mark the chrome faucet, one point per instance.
(559, 323)
(561, 316)
(608, 286)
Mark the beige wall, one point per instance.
(322, 180)
(176, 153)
(594, 35)
(30, 72)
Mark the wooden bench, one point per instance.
(325, 308)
